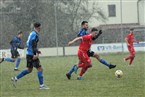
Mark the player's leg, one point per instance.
(86, 63)
(37, 65)
(13, 56)
(26, 71)
(132, 55)
(73, 68)
(103, 61)
(18, 60)
(12, 59)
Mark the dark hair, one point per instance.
(84, 22)
(20, 32)
(94, 29)
(36, 25)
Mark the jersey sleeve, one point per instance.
(30, 39)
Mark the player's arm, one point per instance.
(34, 45)
(20, 45)
(34, 48)
(126, 40)
(13, 43)
(100, 32)
(76, 39)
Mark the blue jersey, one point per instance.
(32, 43)
(83, 32)
(15, 43)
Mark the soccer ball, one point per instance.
(118, 73)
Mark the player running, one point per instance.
(84, 60)
(15, 43)
(129, 41)
(32, 56)
(84, 31)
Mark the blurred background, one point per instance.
(61, 19)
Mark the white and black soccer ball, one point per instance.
(118, 73)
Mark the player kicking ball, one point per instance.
(84, 59)
(84, 31)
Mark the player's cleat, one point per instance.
(75, 69)
(43, 87)
(16, 69)
(79, 78)
(68, 76)
(13, 79)
(112, 66)
(1, 60)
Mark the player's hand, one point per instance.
(100, 32)
(128, 44)
(38, 52)
(35, 56)
(69, 43)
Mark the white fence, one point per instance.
(62, 51)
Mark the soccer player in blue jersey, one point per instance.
(84, 31)
(32, 56)
(15, 43)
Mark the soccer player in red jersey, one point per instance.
(129, 40)
(84, 60)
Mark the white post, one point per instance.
(122, 38)
(56, 31)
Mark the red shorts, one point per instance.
(84, 60)
(131, 50)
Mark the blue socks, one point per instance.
(72, 70)
(17, 62)
(40, 77)
(9, 59)
(21, 74)
(104, 62)
(25, 72)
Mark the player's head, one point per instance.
(20, 34)
(37, 26)
(94, 32)
(131, 30)
(84, 24)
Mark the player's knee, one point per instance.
(96, 56)
(30, 70)
(90, 66)
(40, 69)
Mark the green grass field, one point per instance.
(98, 81)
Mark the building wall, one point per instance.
(129, 11)
(142, 12)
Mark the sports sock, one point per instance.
(40, 77)
(83, 70)
(104, 62)
(17, 62)
(131, 60)
(9, 59)
(22, 73)
(72, 70)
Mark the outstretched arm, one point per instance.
(76, 39)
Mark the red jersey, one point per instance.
(86, 43)
(130, 38)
